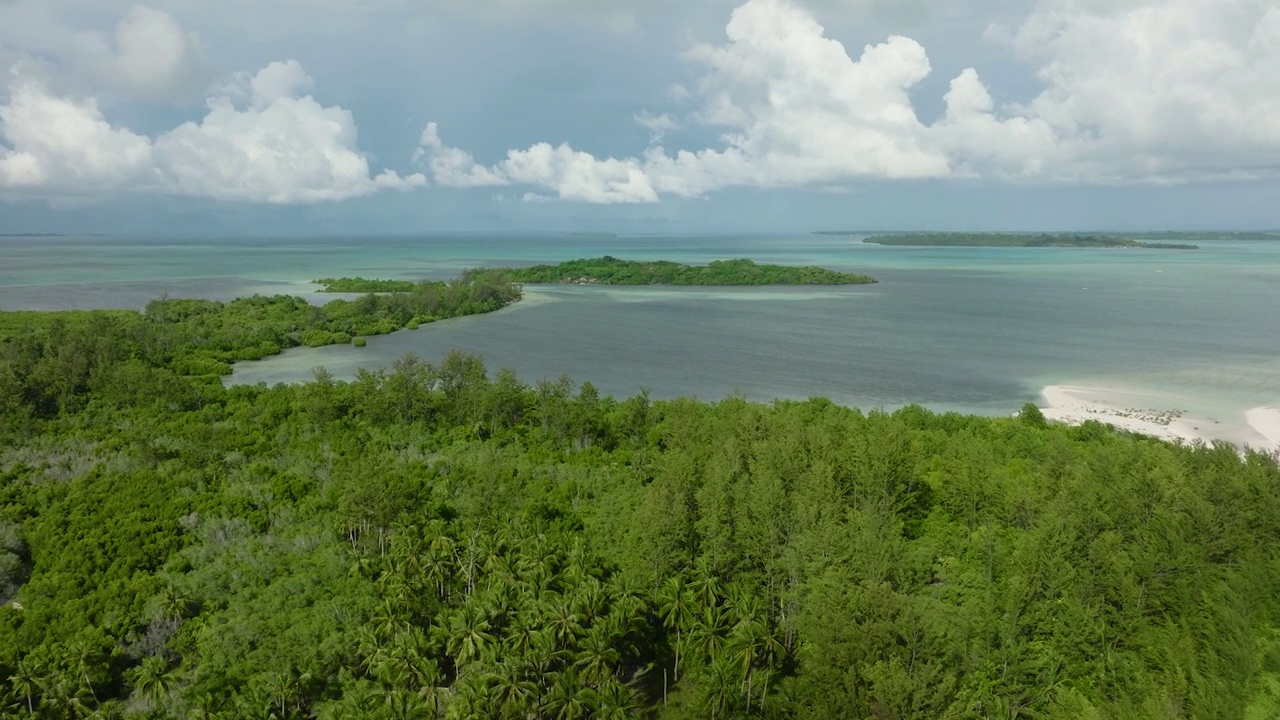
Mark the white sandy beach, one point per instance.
(1266, 422)
(1258, 428)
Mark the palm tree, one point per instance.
(468, 634)
(628, 600)
(565, 624)
(405, 705)
(705, 585)
(676, 607)
(26, 681)
(519, 640)
(152, 680)
(598, 657)
(591, 599)
(546, 651)
(173, 604)
(614, 702)
(515, 692)
(568, 700)
(719, 689)
(711, 631)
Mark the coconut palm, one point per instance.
(568, 700)
(26, 681)
(598, 658)
(590, 599)
(152, 680)
(469, 634)
(565, 624)
(676, 608)
(614, 701)
(719, 689)
(711, 631)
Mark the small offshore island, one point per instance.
(1068, 240)
(609, 270)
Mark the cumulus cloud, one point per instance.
(147, 56)
(67, 144)
(276, 146)
(570, 174)
(794, 107)
(154, 58)
(1133, 91)
(1129, 91)
(452, 167)
(1167, 90)
(283, 147)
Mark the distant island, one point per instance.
(363, 285)
(1069, 240)
(613, 271)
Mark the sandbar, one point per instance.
(1258, 428)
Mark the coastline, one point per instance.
(1257, 428)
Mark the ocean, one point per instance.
(977, 330)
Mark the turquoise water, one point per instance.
(971, 329)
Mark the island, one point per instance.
(1067, 240)
(609, 270)
(364, 285)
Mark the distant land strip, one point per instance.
(1068, 240)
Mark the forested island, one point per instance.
(1067, 240)
(436, 540)
(613, 271)
(204, 337)
(364, 285)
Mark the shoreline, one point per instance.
(1257, 428)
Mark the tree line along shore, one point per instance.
(609, 270)
(441, 540)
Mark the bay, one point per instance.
(968, 329)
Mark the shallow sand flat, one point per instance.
(1258, 428)
(1266, 422)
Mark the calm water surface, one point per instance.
(972, 329)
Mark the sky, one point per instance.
(404, 116)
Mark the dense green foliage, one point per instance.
(612, 271)
(53, 358)
(435, 541)
(364, 285)
(1073, 240)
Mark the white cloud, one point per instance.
(795, 108)
(67, 144)
(576, 175)
(981, 143)
(1129, 91)
(280, 148)
(1134, 91)
(570, 174)
(452, 167)
(798, 109)
(657, 125)
(146, 56)
(156, 59)
(1162, 91)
